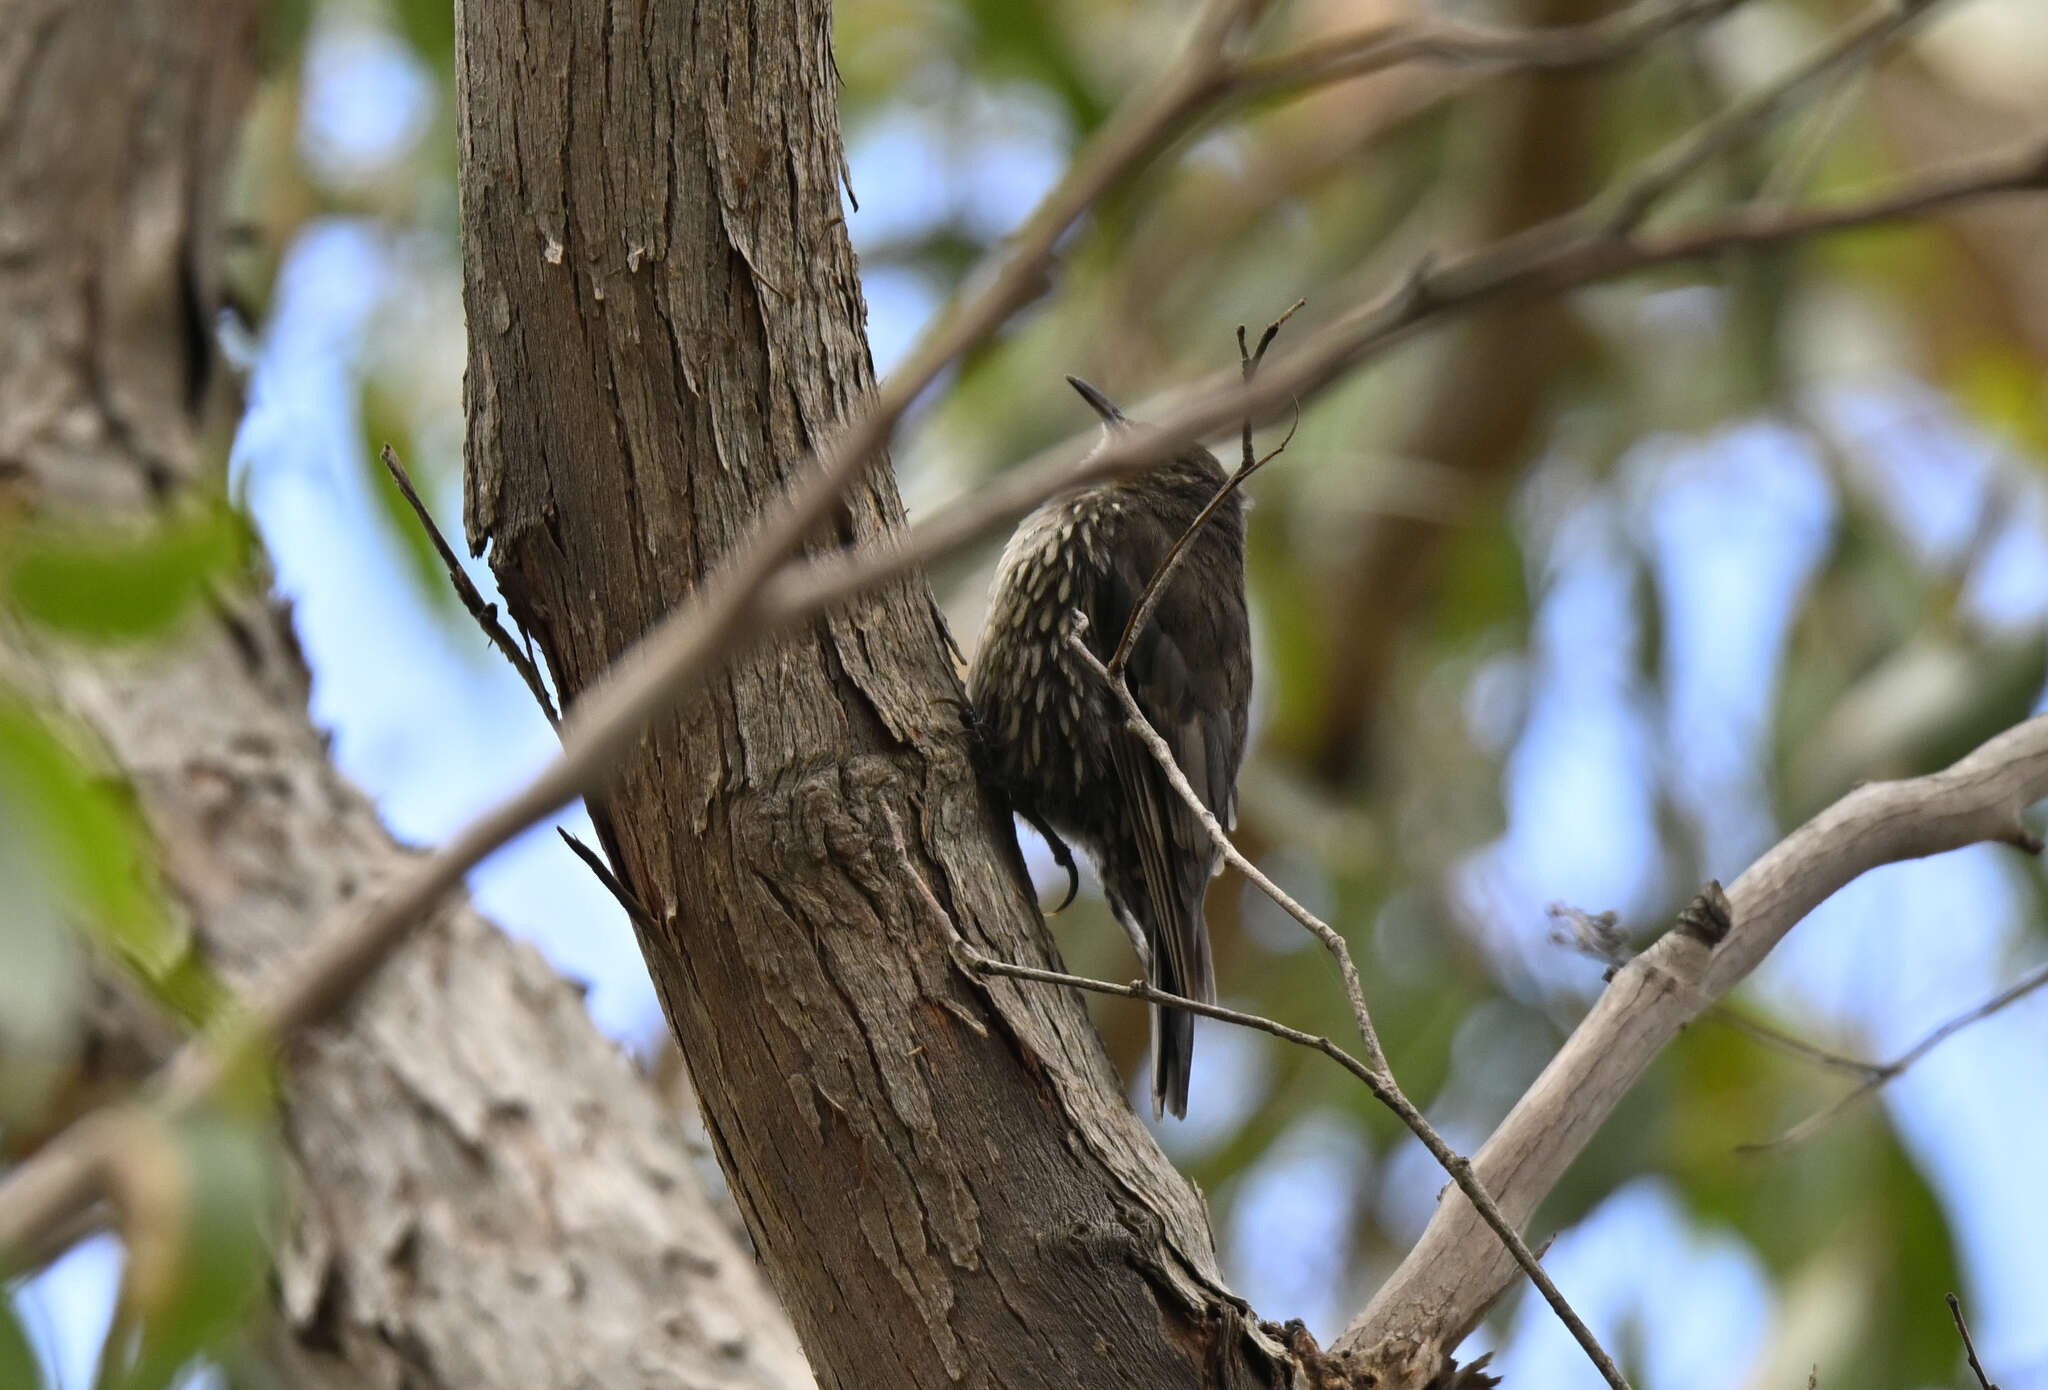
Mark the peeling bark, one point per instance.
(487, 1194)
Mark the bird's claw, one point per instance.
(1061, 856)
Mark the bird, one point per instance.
(1055, 737)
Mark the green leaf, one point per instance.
(91, 844)
(201, 1201)
(122, 586)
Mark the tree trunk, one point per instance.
(487, 1195)
(664, 317)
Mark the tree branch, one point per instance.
(1455, 1271)
(1878, 1074)
(756, 594)
(1250, 463)
(1955, 1311)
(1382, 46)
(485, 614)
(1379, 1076)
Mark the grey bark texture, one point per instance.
(941, 1174)
(487, 1195)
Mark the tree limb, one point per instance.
(666, 665)
(1377, 1075)
(1456, 1270)
(1878, 1074)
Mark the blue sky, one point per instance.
(429, 721)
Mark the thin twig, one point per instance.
(1376, 1072)
(755, 595)
(1384, 1089)
(1139, 989)
(1598, 935)
(486, 614)
(1554, 49)
(1859, 40)
(1155, 587)
(1791, 1043)
(1955, 1310)
(1878, 1074)
(602, 871)
(1320, 929)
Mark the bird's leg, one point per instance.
(1139, 946)
(982, 753)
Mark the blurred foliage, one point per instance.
(94, 852)
(384, 423)
(18, 1364)
(84, 891)
(86, 583)
(1475, 524)
(199, 1225)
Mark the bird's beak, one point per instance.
(1104, 406)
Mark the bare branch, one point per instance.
(757, 593)
(1155, 587)
(1955, 1310)
(1320, 929)
(1139, 989)
(486, 614)
(1855, 43)
(1791, 1044)
(1557, 49)
(1377, 1075)
(602, 871)
(1454, 1272)
(1877, 1075)
(1379, 1082)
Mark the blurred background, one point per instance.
(1582, 604)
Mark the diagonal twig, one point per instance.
(1376, 1073)
(485, 613)
(757, 592)
(1791, 1043)
(1856, 42)
(1155, 587)
(1955, 1310)
(1322, 930)
(1878, 1074)
(602, 871)
(1969, 1343)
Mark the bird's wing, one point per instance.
(1196, 707)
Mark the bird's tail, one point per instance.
(1181, 967)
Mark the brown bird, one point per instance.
(1056, 736)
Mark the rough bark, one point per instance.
(940, 1173)
(487, 1194)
